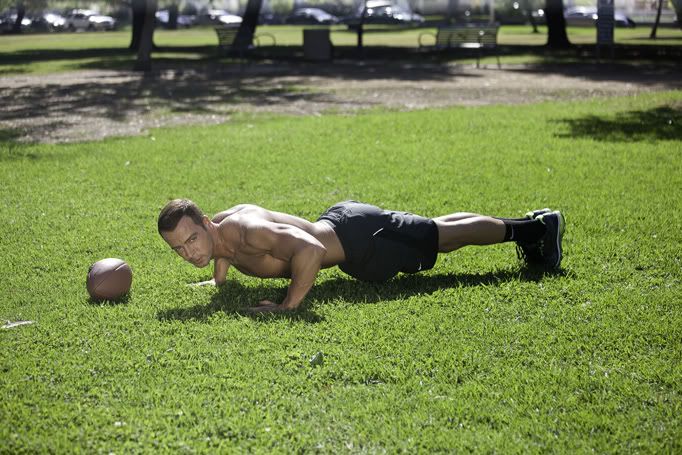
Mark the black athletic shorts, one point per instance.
(380, 243)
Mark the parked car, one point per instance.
(218, 17)
(511, 14)
(88, 20)
(539, 16)
(184, 21)
(47, 21)
(229, 19)
(393, 14)
(270, 19)
(311, 16)
(7, 20)
(384, 12)
(587, 16)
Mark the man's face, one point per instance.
(191, 241)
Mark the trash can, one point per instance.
(317, 44)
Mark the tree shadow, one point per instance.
(235, 299)
(11, 149)
(48, 55)
(8, 135)
(213, 87)
(660, 123)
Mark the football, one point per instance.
(109, 279)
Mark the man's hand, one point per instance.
(210, 282)
(266, 306)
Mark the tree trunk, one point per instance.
(658, 20)
(556, 25)
(529, 11)
(247, 29)
(144, 53)
(452, 11)
(139, 7)
(677, 5)
(173, 16)
(361, 24)
(21, 13)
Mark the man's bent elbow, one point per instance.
(311, 255)
(319, 251)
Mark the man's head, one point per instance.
(186, 229)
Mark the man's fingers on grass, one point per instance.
(202, 283)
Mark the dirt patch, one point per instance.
(89, 105)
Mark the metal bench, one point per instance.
(466, 36)
(227, 36)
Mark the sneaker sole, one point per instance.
(536, 213)
(559, 237)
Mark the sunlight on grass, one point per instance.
(477, 355)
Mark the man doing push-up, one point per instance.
(364, 241)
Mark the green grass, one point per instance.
(47, 53)
(477, 354)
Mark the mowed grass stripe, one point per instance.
(474, 355)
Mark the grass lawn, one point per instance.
(45, 53)
(477, 354)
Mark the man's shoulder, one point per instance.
(232, 212)
(247, 215)
(242, 207)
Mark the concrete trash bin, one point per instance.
(317, 44)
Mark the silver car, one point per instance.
(88, 20)
(587, 16)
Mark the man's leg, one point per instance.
(462, 229)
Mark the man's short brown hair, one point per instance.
(173, 212)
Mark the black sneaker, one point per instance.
(550, 244)
(531, 252)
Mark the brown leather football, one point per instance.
(109, 279)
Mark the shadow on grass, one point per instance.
(661, 123)
(11, 150)
(12, 71)
(235, 298)
(212, 88)
(14, 148)
(204, 83)
(124, 300)
(45, 55)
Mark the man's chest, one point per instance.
(261, 265)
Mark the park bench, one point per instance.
(466, 36)
(226, 40)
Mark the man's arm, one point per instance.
(302, 251)
(220, 268)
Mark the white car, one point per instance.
(219, 17)
(229, 19)
(88, 20)
(587, 16)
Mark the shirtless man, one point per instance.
(366, 242)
